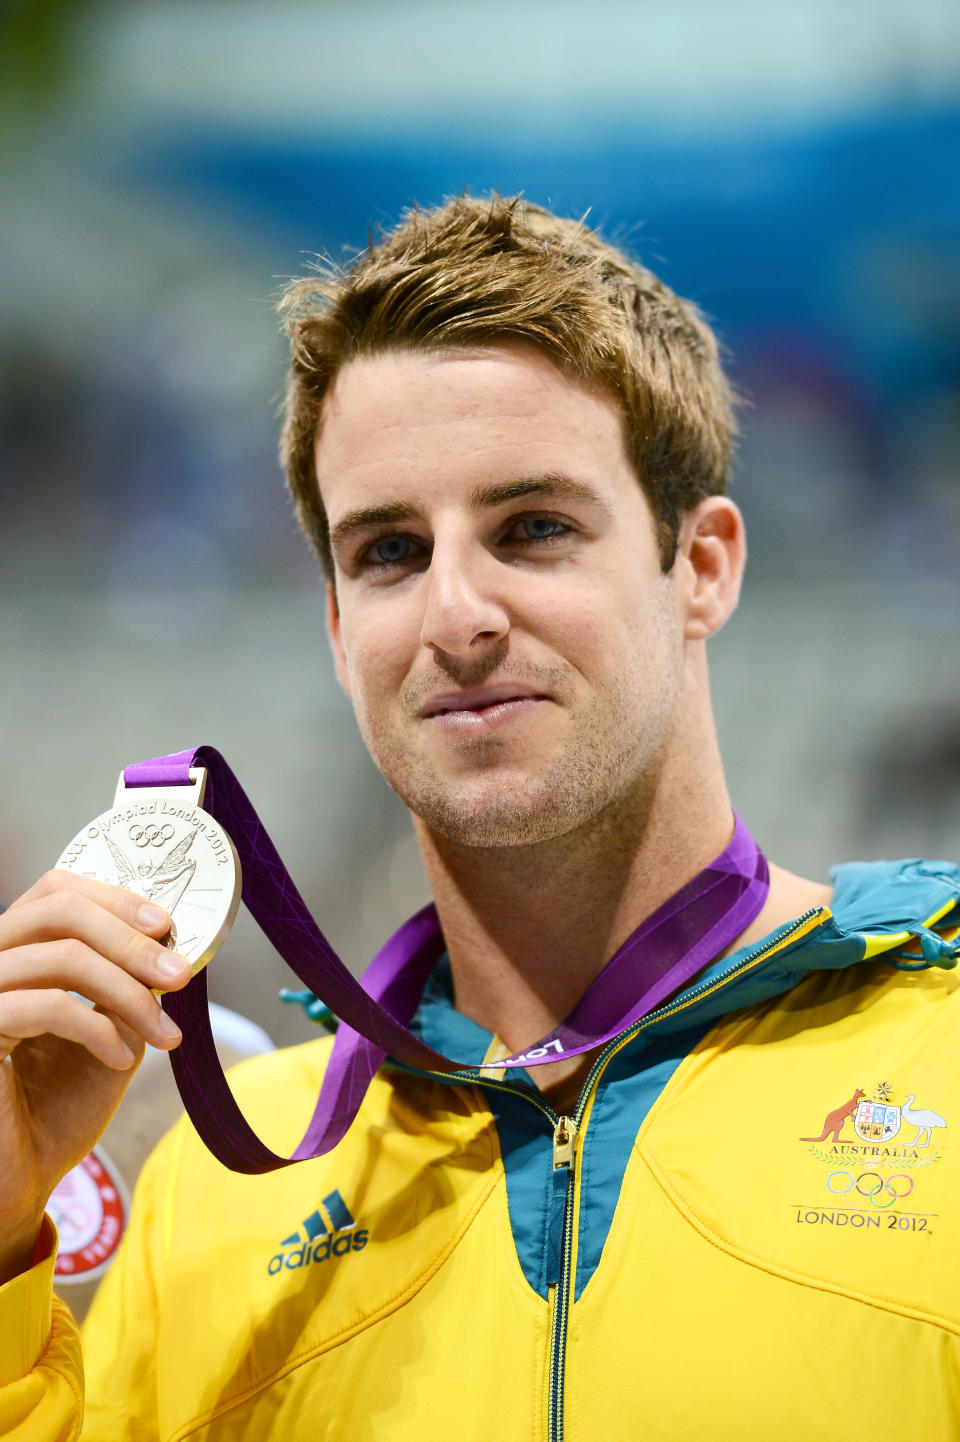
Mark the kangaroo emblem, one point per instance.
(835, 1119)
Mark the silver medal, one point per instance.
(159, 843)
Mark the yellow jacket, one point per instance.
(752, 1234)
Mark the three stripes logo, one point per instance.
(328, 1232)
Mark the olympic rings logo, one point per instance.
(150, 835)
(876, 1186)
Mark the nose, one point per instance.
(461, 613)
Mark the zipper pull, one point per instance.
(564, 1136)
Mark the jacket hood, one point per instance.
(877, 908)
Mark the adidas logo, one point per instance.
(322, 1235)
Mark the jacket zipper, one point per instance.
(564, 1138)
(565, 1130)
(560, 1254)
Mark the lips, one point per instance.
(479, 698)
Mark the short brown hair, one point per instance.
(478, 271)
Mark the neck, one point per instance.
(528, 928)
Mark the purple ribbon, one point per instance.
(664, 953)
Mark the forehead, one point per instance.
(405, 417)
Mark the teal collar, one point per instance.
(876, 907)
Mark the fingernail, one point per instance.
(168, 1026)
(170, 964)
(151, 916)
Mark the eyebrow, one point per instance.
(482, 498)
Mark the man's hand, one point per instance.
(64, 1065)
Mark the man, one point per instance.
(509, 446)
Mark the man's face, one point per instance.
(512, 648)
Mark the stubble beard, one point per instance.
(498, 804)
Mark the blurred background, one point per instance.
(792, 167)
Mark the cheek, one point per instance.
(376, 644)
(649, 647)
(627, 630)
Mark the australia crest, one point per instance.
(875, 1121)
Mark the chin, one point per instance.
(508, 818)
(489, 830)
(507, 802)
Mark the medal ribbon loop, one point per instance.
(665, 952)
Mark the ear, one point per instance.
(712, 551)
(336, 639)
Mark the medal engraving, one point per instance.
(159, 843)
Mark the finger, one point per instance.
(71, 965)
(127, 905)
(68, 915)
(133, 1038)
(26, 1014)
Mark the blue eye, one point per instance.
(391, 550)
(541, 528)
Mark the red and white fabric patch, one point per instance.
(90, 1208)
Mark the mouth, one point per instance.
(478, 709)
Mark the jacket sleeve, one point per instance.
(41, 1371)
(41, 1366)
